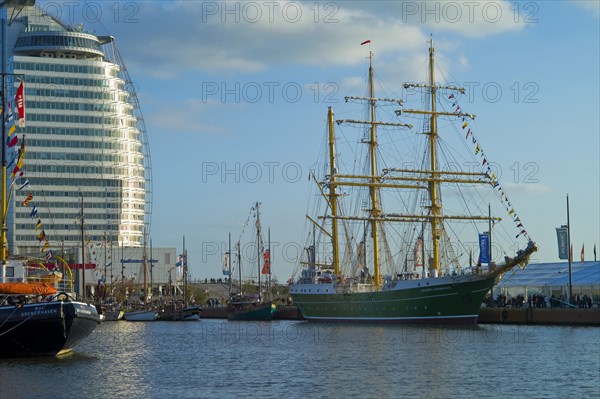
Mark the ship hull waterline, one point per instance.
(456, 302)
(45, 329)
(250, 312)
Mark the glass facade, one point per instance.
(84, 141)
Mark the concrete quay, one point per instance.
(538, 316)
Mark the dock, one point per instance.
(532, 316)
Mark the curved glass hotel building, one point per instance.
(84, 134)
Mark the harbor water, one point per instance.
(299, 359)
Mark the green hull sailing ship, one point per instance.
(364, 264)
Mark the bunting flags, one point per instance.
(29, 198)
(26, 184)
(17, 162)
(485, 165)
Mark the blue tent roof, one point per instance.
(553, 274)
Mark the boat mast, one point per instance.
(375, 211)
(229, 263)
(145, 274)
(258, 248)
(332, 194)
(239, 257)
(269, 260)
(82, 249)
(185, 271)
(433, 184)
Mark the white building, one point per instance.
(85, 139)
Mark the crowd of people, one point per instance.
(540, 301)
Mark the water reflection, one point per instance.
(293, 359)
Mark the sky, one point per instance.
(235, 95)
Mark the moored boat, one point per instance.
(249, 308)
(141, 315)
(245, 305)
(37, 320)
(359, 265)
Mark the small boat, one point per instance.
(113, 315)
(141, 315)
(191, 313)
(251, 306)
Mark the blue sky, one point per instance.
(235, 97)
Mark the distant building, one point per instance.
(126, 265)
(85, 139)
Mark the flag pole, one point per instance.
(570, 252)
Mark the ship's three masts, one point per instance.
(408, 178)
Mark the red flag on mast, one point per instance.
(266, 269)
(20, 102)
(365, 42)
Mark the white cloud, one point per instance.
(251, 37)
(184, 118)
(590, 5)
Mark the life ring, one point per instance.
(504, 315)
(62, 296)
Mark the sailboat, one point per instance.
(187, 311)
(252, 306)
(36, 319)
(145, 314)
(404, 264)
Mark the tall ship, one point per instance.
(381, 245)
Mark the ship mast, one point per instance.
(436, 205)
(373, 179)
(375, 211)
(332, 194)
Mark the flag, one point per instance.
(582, 256)
(48, 256)
(9, 114)
(38, 225)
(41, 236)
(20, 102)
(226, 271)
(484, 248)
(26, 184)
(11, 142)
(451, 96)
(45, 247)
(419, 252)
(29, 198)
(571, 253)
(267, 263)
(33, 212)
(365, 42)
(561, 236)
